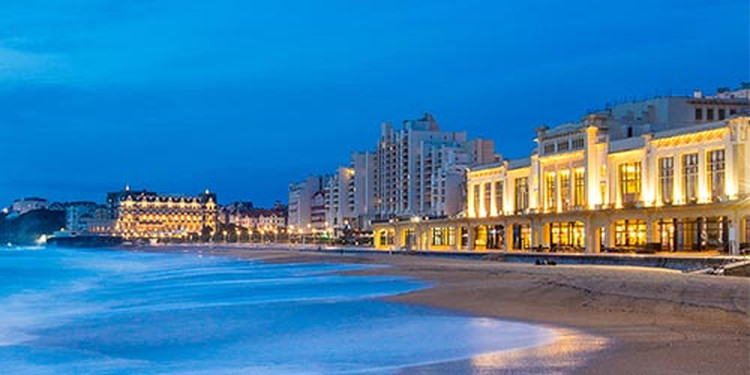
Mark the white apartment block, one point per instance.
(339, 196)
(300, 210)
(420, 169)
(362, 191)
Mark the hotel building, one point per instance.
(148, 215)
(664, 174)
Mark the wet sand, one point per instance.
(613, 320)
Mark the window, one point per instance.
(630, 182)
(549, 148)
(567, 234)
(666, 179)
(732, 112)
(630, 233)
(476, 200)
(709, 114)
(715, 173)
(438, 238)
(499, 197)
(630, 132)
(550, 191)
(578, 143)
(385, 238)
(565, 190)
(579, 190)
(487, 198)
(722, 113)
(522, 194)
(690, 177)
(699, 114)
(563, 145)
(521, 237)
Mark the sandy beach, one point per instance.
(628, 320)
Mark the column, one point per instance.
(399, 241)
(508, 245)
(609, 235)
(649, 231)
(558, 191)
(592, 238)
(735, 233)
(536, 233)
(703, 194)
(470, 245)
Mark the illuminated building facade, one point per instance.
(665, 174)
(148, 215)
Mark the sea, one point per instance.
(99, 311)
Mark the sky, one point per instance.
(244, 97)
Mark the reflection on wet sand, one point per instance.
(568, 351)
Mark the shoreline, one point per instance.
(653, 320)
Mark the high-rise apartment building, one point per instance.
(417, 170)
(420, 169)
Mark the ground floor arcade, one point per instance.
(717, 227)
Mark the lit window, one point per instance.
(499, 197)
(666, 179)
(551, 191)
(690, 177)
(521, 193)
(630, 182)
(716, 173)
(565, 190)
(579, 193)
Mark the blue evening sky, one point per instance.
(245, 96)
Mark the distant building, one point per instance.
(79, 215)
(148, 215)
(87, 218)
(230, 212)
(243, 214)
(318, 215)
(417, 170)
(421, 170)
(24, 205)
(339, 198)
(301, 194)
(362, 189)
